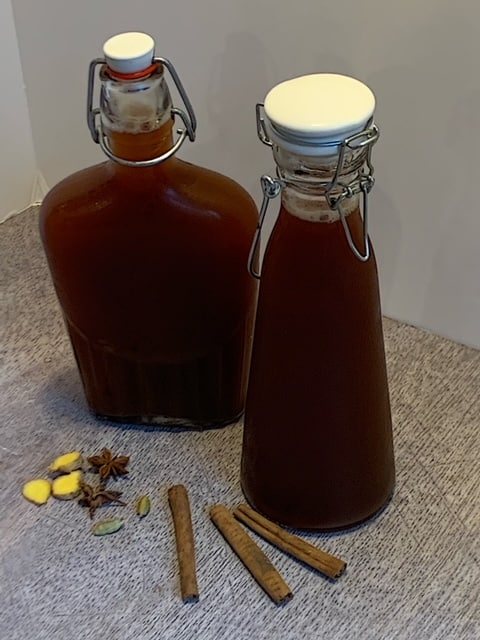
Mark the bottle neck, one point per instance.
(308, 179)
(141, 146)
(136, 115)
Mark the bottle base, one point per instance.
(318, 527)
(167, 422)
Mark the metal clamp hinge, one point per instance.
(338, 191)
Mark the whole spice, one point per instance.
(95, 497)
(322, 561)
(182, 520)
(143, 506)
(251, 555)
(67, 462)
(105, 527)
(37, 491)
(68, 486)
(109, 465)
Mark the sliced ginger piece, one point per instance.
(67, 462)
(37, 491)
(68, 486)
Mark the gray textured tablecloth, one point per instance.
(413, 573)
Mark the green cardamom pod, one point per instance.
(104, 527)
(143, 506)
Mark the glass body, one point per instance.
(149, 265)
(317, 450)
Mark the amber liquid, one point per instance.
(149, 265)
(317, 450)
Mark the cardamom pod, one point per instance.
(143, 506)
(104, 527)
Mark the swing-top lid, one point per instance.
(311, 115)
(129, 52)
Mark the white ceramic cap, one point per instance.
(311, 115)
(129, 52)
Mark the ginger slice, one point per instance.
(68, 486)
(37, 491)
(67, 462)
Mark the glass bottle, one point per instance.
(317, 450)
(148, 256)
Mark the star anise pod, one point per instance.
(94, 497)
(109, 465)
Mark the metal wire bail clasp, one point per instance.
(98, 135)
(261, 127)
(363, 184)
(271, 187)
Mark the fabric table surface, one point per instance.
(413, 572)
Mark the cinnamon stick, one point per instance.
(316, 558)
(251, 555)
(182, 520)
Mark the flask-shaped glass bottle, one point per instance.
(317, 451)
(148, 256)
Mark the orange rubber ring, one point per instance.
(133, 76)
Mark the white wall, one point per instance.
(17, 158)
(421, 58)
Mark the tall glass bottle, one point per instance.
(148, 257)
(317, 450)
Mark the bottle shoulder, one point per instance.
(177, 185)
(77, 188)
(297, 244)
(213, 189)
